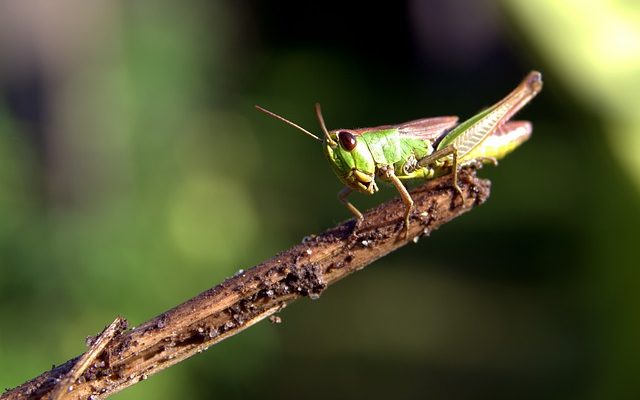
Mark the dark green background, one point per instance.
(135, 173)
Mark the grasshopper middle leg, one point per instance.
(390, 175)
(439, 155)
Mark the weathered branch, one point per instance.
(306, 269)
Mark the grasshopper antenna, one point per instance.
(286, 121)
(331, 142)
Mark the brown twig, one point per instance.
(306, 269)
(97, 346)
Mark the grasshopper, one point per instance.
(424, 148)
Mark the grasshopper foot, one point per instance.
(404, 225)
(357, 223)
(405, 231)
(457, 193)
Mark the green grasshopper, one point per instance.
(424, 148)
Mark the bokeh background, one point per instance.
(135, 173)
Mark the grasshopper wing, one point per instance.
(427, 128)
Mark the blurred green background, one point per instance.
(135, 173)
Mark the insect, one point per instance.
(424, 148)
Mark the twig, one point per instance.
(306, 269)
(65, 386)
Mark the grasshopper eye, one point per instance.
(347, 140)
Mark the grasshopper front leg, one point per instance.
(342, 196)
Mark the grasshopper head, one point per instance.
(348, 154)
(351, 160)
